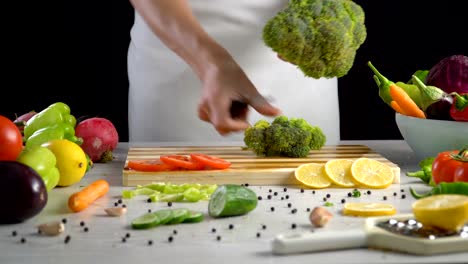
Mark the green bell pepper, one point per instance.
(56, 113)
(57, 131)
(43, 161)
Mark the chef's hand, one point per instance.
(226, 97)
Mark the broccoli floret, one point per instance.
(321, 37)
(284, 137)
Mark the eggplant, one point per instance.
(435, 102)
(24, 195)
(440, 109)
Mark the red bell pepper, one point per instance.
(459, 108)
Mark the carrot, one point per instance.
(397, 107)
(86, 196)
(405, 102)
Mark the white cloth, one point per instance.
(164, 92)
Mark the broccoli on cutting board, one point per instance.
(286, 137)
(321, 37)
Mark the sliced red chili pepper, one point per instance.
(210, 161)
(150, 165)
(182, 161)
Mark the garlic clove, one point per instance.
(51, 229)
(116, 211)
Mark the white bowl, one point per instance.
(428, 137)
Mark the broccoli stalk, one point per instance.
(321, 37)
(284, 137)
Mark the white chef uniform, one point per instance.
(164, 91)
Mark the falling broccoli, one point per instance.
(286, 137)
(321, 37)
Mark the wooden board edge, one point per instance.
(283, 176)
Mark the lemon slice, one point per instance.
(368, 209)
(445, 211)
(372, 173)
(312, 175)
(339, 172)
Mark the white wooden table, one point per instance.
(196, 243)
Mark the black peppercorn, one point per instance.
(260, 198)
(86, 229)
(308, 210)
(127, 235)
(23, 240)
(272, 209)
(293, 211)
(218, 238)
(403, 196)
(313, 192)
(246, 185)
(302, 190)
(264, 226)
(394, 194)
(282, 198)
(150, 242)
(275, 193)
(124, 240)
(149, 210)
(328, 195)
(350, 194)
(169, 204)
(258, 234)
(343, 201)
(14, 233)
(324, 199)
(402, 190)
(285, 189)
(368, 192)
(269, 197)
(119, 201)
(231, 226)
(270, 190)
(289, 205)
(293, 226)
(82, 223)
(174, 232)
(123, 205)
(116, 204)
(64, 220)
(67, 239)
(286, 197)
(385, 198)
(213, 230)
(170, 239)
(149, 200)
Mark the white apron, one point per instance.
(164, 92)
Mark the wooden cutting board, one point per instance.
(246, 166)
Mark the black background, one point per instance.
(76, 52)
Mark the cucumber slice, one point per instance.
(231, 200)
(194, 217)
(146, 221)
(165, 216)
(178, 216)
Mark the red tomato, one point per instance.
(181, 161)
(210, 161)
(451, 166)
(150, 165)
(11, 140)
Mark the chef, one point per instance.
(189, 60)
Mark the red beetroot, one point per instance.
(99, 138)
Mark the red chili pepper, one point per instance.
(459, 109)
(450, 166)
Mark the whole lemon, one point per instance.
(71, 160)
